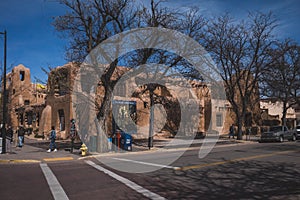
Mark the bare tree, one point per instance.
(281, 79)
(240, 49)
(191, 23)
(89, 23)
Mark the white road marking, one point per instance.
(55, 187)
(127, 182)
(147, 163)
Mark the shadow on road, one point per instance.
(44, 144)
(242, 180)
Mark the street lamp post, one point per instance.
(4, 98)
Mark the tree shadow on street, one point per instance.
(240, 180)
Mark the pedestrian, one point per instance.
(52, 140)
(231, 131)
(73, 134)
(9, 137)
(21, 133)
(9, 134)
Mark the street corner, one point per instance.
(59, 156)
(33, 155)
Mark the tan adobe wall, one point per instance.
(25, 102)
(58, 111)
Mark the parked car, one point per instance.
(279, 134)
(298, 131)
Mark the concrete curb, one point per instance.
(10, 161)
(154, 150)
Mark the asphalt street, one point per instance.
(235, 171)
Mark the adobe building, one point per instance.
(272, 113)
(297, 112)
(38, 107)
(167, 112)
(58, 104)
(26, 100)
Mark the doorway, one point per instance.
(61, 118)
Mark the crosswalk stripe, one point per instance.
(55, 187)
(147, 163)
(127, 182)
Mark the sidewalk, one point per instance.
(35, 150)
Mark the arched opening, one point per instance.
(22, 75)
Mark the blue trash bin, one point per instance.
(126, 141)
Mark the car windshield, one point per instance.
(276, 128)
(298, 127)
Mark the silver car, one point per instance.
(279, 134)
(298, 131)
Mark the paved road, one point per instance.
(243, 171)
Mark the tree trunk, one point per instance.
(105, 108)
(284, 111)
(241, 121)
(151, 120)
(102, 139)
(239, 126)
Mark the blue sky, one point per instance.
(33, 41)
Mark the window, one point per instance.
(61, 116)
(22, 75)
(219, 120)
(145, 104)
(9, 81)
(26, 102)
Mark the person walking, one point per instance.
(231, 131)
(52, 140)
(73, 134)
(9, 137)
(9, 133)
(21, 133)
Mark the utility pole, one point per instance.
(4, 98)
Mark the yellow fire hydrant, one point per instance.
(83, 149)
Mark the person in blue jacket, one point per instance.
(52, 140)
